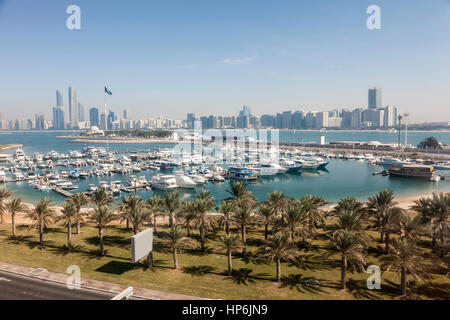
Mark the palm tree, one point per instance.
(189, 214)
(266, 212)
(405, 258)
(243, 217)
(102, 217)
(351, 247)
(230, 243)
(175, 238)
(172, 204)
(133, 210)
(277, 201)
(390, 222)
(278, 248)
(408, 227)
(68, 216)
(154, 204)
(42, 215)
(4, 194)
(101, 198)
(349, 218)
(240, 195)
(79, 200)
(377, 208)
(203, 205)
(436, 212)
(349, 204)
(227, 208)
(310, 205)
(294, 221)
(14, 206)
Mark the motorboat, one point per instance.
(241, 173)
(184, 181)
(164, 182)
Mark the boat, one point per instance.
(164, 182)
(290, 166)
(241, 173)
(413, 171)
(265, 170)
(184, 181)
(392, 162)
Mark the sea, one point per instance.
(342, 178)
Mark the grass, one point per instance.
(204, 275)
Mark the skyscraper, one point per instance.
(190, 118)
(93, 117)
(59, 99)
(390, 116)
(58, 118)
(80, 112)
(375, 98)
(73, 108)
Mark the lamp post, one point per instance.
(406, 115)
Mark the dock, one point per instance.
(63, 192)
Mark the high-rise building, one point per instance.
(245, 111)
(356, 118)
(322, 119)
(390, 116)
(80, 112)
(375, 98)
(58, 118)
(125, 114)
(190, 118)
(73, 108)
(59, 99)
(111, 119)
(93, 117)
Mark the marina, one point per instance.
(154, 169)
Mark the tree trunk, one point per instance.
(171, 219)
(2, 216)
(150, 260)
(100, 236)
(278, 270)
(244, 240)
(230, 264)
(381, 236)
(78, 227)
(227, 227)
(266, 231)
(135, 230)
(41, 234)
(387, 242)
(69, 237)
(13, 222)
(403, 281)
(188, 229)
(175, 258)
(202, 236)
(154, 223)
(344, 272)
(128, 224)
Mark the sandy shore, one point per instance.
(10, 146)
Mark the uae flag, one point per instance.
(108, 91)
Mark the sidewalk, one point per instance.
(45, 275)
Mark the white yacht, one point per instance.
(391, 162)
(265, 170)
(164, 182)
(183, 181)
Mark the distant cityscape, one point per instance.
(375, 116)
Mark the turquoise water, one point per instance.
(343, 177)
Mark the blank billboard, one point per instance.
(141, 245)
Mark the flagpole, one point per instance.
(106, 120)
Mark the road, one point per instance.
(15, 287)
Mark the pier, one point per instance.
(63, 192)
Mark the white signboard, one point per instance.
(141, 245)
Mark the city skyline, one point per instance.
(207, 57)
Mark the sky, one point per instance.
(171, 57)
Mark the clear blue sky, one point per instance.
(211, 57)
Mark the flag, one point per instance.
(108, 91)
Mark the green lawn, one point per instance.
(203, 274)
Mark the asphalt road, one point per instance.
(15, 287)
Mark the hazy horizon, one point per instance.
(209, 57)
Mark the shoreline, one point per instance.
(403, 202)
(10, 146)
